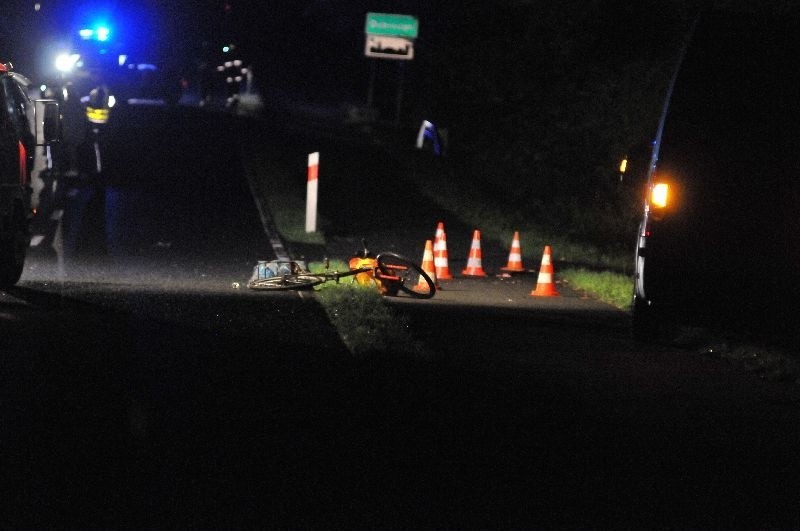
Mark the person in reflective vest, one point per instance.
(98, 104)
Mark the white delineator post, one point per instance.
(311, 192)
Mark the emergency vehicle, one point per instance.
(24, 125)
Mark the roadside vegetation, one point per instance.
(614, 288)
(365, 322)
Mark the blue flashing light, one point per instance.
(99, 33)
(117, 26)
(226, 49)
(102, 33)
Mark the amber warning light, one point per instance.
(659, 195)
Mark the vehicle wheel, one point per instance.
(413, 280)
(12, 250)
(284, 282)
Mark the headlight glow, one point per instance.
(65, 62)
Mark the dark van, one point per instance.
(719, 243)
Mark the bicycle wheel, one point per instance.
(283, 282)
(412, 280)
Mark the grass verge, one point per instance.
(613, 288)
(498, 224)
(365, 321)
(289, 213)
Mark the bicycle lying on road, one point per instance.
(390, 272)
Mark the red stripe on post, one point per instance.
(311, 192)
(313, 166)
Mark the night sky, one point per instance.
(291, 41)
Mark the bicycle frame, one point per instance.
(389, 272)
(367, 271)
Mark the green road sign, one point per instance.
(394, 25)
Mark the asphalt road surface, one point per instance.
(172, 205)
(139, 388)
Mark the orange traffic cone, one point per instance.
(514, 257)
(440, 254)
(544, 284)
(428, 267)
(474, 266)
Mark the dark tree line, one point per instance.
(544, 99)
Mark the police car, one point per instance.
(24, 125)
